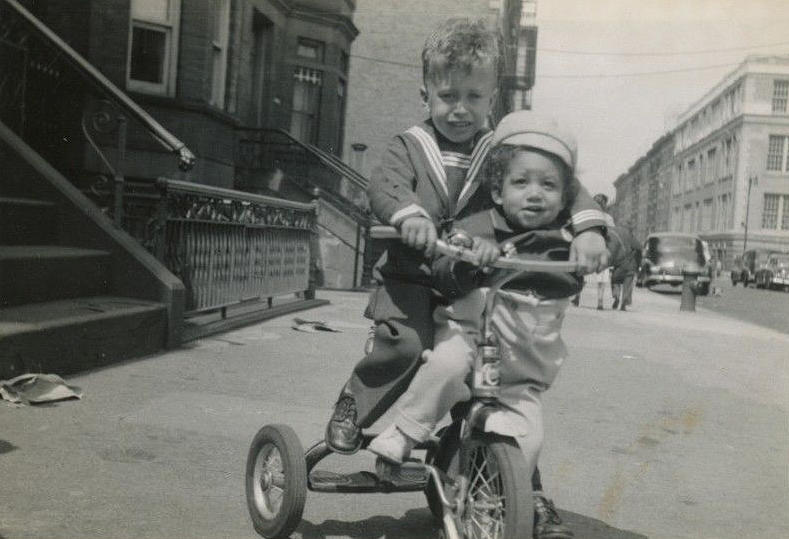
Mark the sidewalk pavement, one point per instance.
(662, 423)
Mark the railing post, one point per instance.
(118, 180)
(160, 230)
(315, 249)
(356, 253)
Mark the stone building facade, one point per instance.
(729, 179)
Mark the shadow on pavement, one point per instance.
(590, 528)
(420, 524)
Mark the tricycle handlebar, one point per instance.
(383, 232)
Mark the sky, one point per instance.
(599, 67)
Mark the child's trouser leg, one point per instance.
(402, 313)
(530, 444)
(438, 385)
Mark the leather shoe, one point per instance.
(547, 522)
(615, 304)
(343, 435)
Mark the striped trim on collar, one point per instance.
(434, 160)
(477, 158)
(432, 153)
(454, 159)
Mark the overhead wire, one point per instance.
(664, 53)
(608, 75)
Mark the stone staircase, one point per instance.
(60, 311)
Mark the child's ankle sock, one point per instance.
(392, 445)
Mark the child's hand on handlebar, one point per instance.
(486, 251)
(420, 233)
(589, 251)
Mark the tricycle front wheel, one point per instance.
(498, 501)
(276, 481)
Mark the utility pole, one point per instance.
(751, 181)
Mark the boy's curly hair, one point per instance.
(498, 161)
(461, 43)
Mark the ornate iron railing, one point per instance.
(59, 104)
(226, 246)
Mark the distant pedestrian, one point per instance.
(625, 266)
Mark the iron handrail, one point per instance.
(331, 161)
(186, 159)
(180, 186)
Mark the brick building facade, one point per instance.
(204, 69)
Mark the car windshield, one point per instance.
(782, 260)
(676, 248)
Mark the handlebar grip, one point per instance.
(384, 232)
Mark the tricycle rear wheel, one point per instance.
(276, 481)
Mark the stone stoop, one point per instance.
(73, 335)
(58, 313)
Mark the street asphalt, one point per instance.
(662, 424)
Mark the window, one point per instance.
(775, 212)
(724, 212)
(153, 46)
(344, 62)
(309, 48)
(712, 172)
(700, 177)
(785, 213)
(341, 91)
(697, 214)
(770, 211)
(306, 104)
(691, 174)
(706, 215)
(219, 45)
(780, 95)
(776, 153)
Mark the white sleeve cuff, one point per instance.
(411, 210)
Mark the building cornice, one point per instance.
(752, 65)
(732, 124)
(340, 22)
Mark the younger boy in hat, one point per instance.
(531, 168)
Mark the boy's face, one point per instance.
(532, 189)
(459, 101)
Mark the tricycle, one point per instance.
(476, 482)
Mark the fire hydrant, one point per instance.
(689, 279)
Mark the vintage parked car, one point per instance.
(745, 266)
(774, 273)
(667, 254)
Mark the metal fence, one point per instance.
(228, 247)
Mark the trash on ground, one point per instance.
(312, 326)
(36, 389)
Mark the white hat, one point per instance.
(528, 128)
